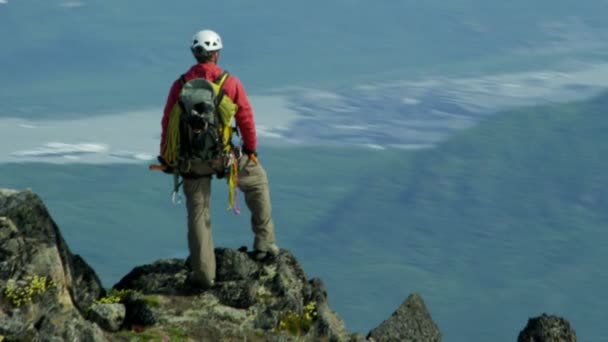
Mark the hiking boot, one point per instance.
(273, 251)
(196, 285)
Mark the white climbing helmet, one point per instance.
(207, 40)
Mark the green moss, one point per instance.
(151, 300)
(114, 297)
(174, 334)
(144, 336)
(177, 335)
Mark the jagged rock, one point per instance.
(248, 296)
(547, 328)
(410, 322)
(249, 301)
(358, 338)
(67, 326)
(35, 258)
(108, 316)
(328, 322)
(234, 265)
(138, 313)
(162, 277)
(238, 294)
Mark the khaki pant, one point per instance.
(253, 182)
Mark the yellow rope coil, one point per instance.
(173, 139)
(232, 184)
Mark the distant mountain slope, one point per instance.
(510, 214)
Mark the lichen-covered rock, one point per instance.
(67, 326)
(44, 287)
(547, 328)
(109, 316)
(410, 322)
(138, 312)
(47, 293)
(166, 276)
(237, 294)
(248, 297)
(234, 265)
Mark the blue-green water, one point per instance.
(75, 58)
(484, 233)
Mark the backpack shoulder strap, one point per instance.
(220, 80)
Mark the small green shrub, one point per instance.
(296, 324)
(34, 285)
(151, 300)
(115, 296)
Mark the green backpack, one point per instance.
(200, 123)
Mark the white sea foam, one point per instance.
(351, 127)
(2, 2)
(130, 155)
(410, 101)
(410, 146)
(97, 139)
(432, 110)
(118, 137)
(265, 132)
(273, 111)
(59, 149)
(72, 4)
(375, 147)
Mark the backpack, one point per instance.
(200, 123)
(200, 129)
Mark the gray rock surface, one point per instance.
(110, 317)
(47, 293)
(249, 296)
(410, 322)
(45, 288)
(547, 328)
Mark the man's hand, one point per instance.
(166, 168)
(252, 154)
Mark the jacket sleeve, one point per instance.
(244, 116)
(171, 100)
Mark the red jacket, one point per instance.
(232, 87)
